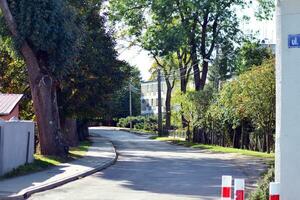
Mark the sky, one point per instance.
(140, 58)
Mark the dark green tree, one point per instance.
(251, 54)
(86, 92)
(46, 36)
(118, 106)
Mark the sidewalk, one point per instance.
(99, 156)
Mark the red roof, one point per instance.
(8, 102)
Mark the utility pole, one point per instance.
(159, 122)
(130, 105)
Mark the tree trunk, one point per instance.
(69, 129)
(203, 75)
(194, 57)
(188, 133)
(43, 92)
(257, 143)
(184, 74)
(242, 135)
(234, 138)
(264, 142)
(82, 130)
(223, 138)
(168, 106)
(268, 141)
(46, 111)
(197, 135)
(183, 81)
(197, 79)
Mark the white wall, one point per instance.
(13, 144)
(288, 101)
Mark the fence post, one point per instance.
(239, 189)
(274, 191)
(226, 187)
(28, 146)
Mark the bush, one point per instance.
(147, 123)
(262, 192)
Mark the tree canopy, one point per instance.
(165, 27)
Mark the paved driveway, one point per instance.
(150, 170)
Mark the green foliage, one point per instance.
(251, 54)
(50, 29)
(165, 27)
(262, 191)
(89, 90)
(194, 105)
(13, 77)
(118, 106)
(224, 65)
(72, 44)
(265, 10)
(215, 148)
(148, 123)
(251, 96)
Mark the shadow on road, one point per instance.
(157, 167)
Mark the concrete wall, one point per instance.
(288, 100)
(16, 139)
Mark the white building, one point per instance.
(149, 97)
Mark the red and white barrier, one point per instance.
(239, 189)
(274, 191)
(226, 188)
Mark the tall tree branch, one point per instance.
(27, 52)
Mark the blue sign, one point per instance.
(294, 41)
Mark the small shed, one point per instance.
(9, 105)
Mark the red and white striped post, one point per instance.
(239, 189)
(274, 191)
(226, 188)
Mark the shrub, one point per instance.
(148, 123)
(262, 192)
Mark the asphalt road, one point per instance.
(150, 170)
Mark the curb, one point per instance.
(28, 193)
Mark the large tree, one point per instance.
(189, 27)
(46, 35)
(88, 91)
(168, 65)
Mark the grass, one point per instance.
(44, 162)
(215, 148)
(80, 151)
(143, 131)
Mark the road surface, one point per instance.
(152, 170)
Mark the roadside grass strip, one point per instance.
(215, 148)
(42, 162)
(80, 151)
